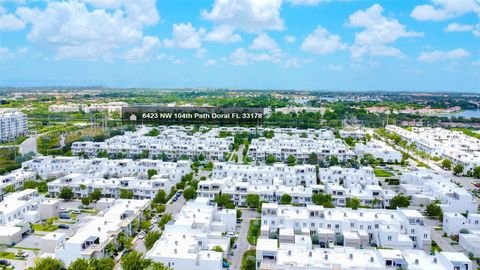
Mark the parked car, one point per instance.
(141, 235)
(63, 210)
(64, 216)
(4, 262)
(174, 199)
(63, 226)
(76, 211)
(231, 234)
(21, 254)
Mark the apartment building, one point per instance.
(19, 209)
(90, 239)
(110, 107)
(269, 182)
(467, 228)
(82, 185)
(296, 257)
(281, 146)
(425, 187)
(396, 229)
(59, 108)
(348, 183)
(187, 243)
(13, 123)
(174, 143)
(55, 167)
(16, 179)
(378, 150)
(353, 133)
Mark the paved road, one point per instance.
(442, 242)
(29, 145)
(242, 243)
(240, 153)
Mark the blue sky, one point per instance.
(431, 45)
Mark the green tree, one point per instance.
(79, 264)
(9, 189)
(434, 210)
(446, 164)
(323, 199)
(458, 169)
(313, 158)
(223, 200)
(476, 172)
(126, 194)
(189, 194)
(151, 172)
(47, 263)
(153, 132)
(253, 200)
(270, 159)
(286, 199)
(102, 264)
(399, 201)
(42, 187)
(291, 160)
(158, 266)
(151, 238)
(353, 203)
(86, 201)
(66, 193)
(251, 263)
(134, 261)
(160, 197)
(201, 157)
(96, 194)
(217, 249)
(30, 184)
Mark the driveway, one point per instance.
(29, 145)
(242, 243)
(442, 242)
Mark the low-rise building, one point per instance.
(379, 150)
(13, 123)
(188, 242)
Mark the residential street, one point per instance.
(242, 243)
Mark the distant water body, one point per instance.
(465, 114)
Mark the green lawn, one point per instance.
(253, 231)
(44, 228)
(9, 256)
(382, 173)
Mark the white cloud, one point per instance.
(333, 67)
(144, 11)
(264, 42)
(248, 15)
(378, 34)
(456, 27)
(445, 9)
(322, 42)
(241, 57)
(143, 52)
(437, 55)
(289, 39)
(306, 2)
(186, 36)
(8, 54)
(77, 31)
(201, 53)
(210, 62)
(294, 62)
(223, 34)
(10, 22)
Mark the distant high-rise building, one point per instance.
(13, 123)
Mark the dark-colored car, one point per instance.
(64, 216)
(63, 226)
(4, 262)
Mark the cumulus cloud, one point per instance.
(307, 2)
(379, 33)
(437, 55)
(10, 22)
(289, 39)
(322, 42)
(210, 62)
(264, 42)
(295, 62)
(143, 52)
(223, 34)
(456, 27)
(441, 10)
(77, 31)
(186, 36)
(252, 16)
(241, 57)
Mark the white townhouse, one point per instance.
(58, 108)
(466, 227)
(91, 238)
(353, 133)
(18, 209)
(173, 142)
(109, 107)
(269, 182)
(298, 257)
(82, 185)
(188, 242)
(13, 123)
(55, 167)
(281, 146)
(348, 183)
(16, 179)
(425, 187)
(379, 150)
(397, 229)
